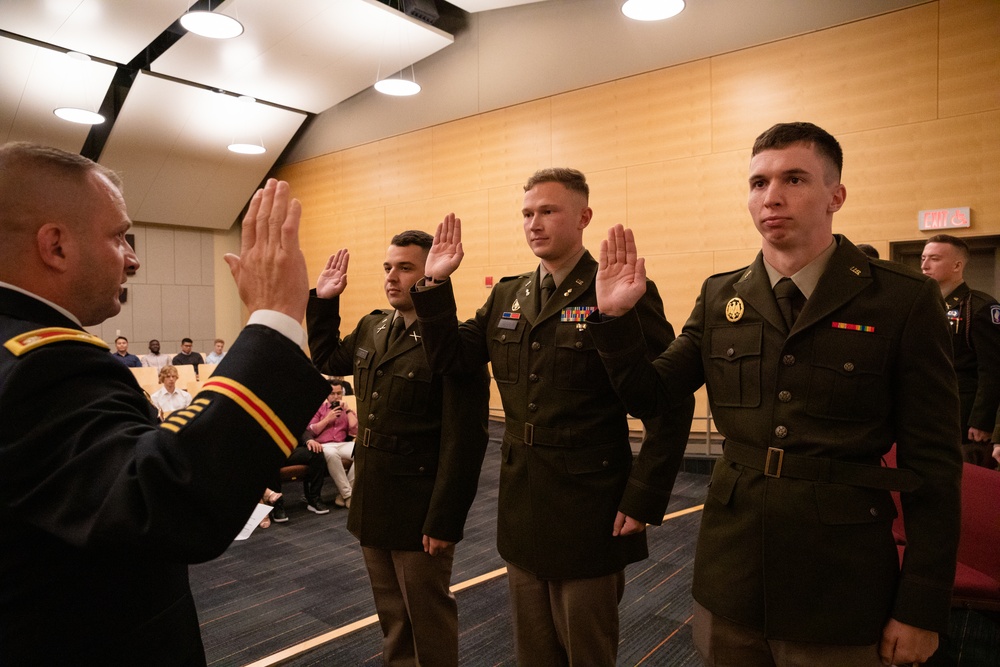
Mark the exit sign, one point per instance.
(943, 218)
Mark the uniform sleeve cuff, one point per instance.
(283, 324)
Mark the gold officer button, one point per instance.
(409, 376)
(578, 345)
(788, 360)
(849, 367)
(374, 394)
(781, 431)
(730, 352)
(503, 337)
(784, 396)
(532, 407)
(379, 373)
(533, 377)
(536, 345)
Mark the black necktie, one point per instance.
(790, 300)
(548, 287)
(398, 326)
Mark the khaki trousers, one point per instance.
(417, 612)
(723, 643)
(565, 622)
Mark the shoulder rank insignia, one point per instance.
(31, 340)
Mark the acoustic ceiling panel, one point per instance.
(304, 54)
(34, 81)
(114, 30)
(170, 146)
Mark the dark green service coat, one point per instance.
(566, 463)
(974, 317)
(421, 437)
(867, 364)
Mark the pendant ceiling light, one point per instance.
(652, 10)
(396, 85)
(245, 116)
(79, 114)
(210, 24)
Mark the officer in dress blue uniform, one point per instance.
(101, 506)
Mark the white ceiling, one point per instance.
(169, 138)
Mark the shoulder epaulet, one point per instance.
(31, 340)
(379, 311)
(518, 277)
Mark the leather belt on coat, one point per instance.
(775, 462)
(532, 434)
(391, 443)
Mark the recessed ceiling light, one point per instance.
(81, 116)
(210, 24)
(652, 10)
(397, 87)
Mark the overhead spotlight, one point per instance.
(210, 24)
(652, 10)
(79, 114)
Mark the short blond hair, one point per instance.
(170, 371)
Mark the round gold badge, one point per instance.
(734, 309)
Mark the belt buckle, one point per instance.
(767, 462)
(366, 438)
(529, 434)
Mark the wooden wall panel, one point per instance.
(516, 142)
(503, 146)
(970, 57)
(404, 172)
(645, 118)
(895, 172)
(874, 73)
(695, 204)
(506, 229)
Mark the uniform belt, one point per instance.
(532, 434)
(388, 443)
(776, 462)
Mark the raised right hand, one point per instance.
(270, 271)
(621, 275)
(446, 253)
(332, 280)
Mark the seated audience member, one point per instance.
(348, 389)
(168, 397)
(154, 359)
(122, 354)
(186, 357)
(310, 454)
(216, 355)
(334, 427)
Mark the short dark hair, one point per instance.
(869, 250)
(571, 179)
(337, 382)
(121, 338)
(786, 134)
(962, 246)
(21, 154)
(413, 237)
(186, 340)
